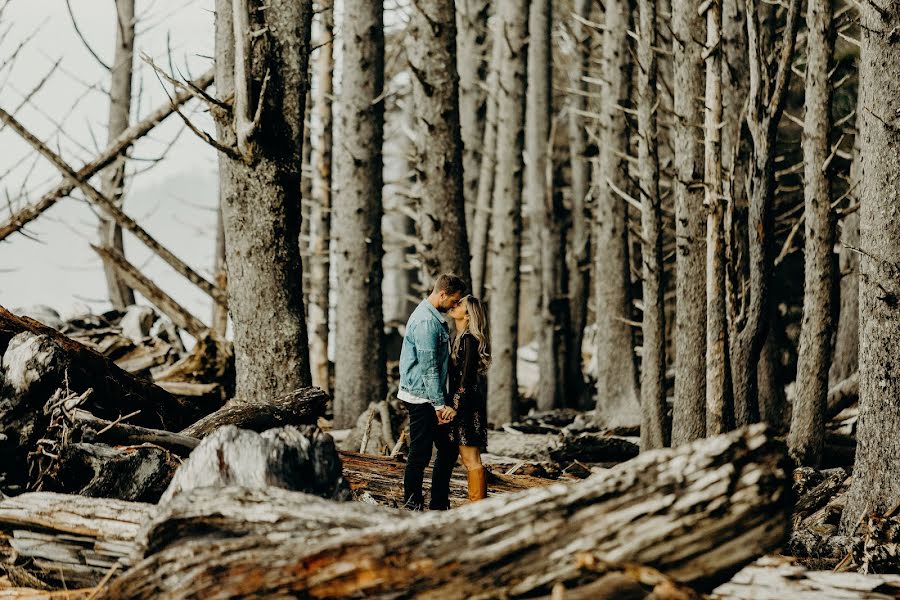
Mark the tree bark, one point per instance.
(320, 246)
(768, 93)
(220, 312)
(689, 409)
(431, 51)
(617, 397)
(876, 474)
(261, 192)
(487, 169)
(547, 214)
(579, 254)
(472, 66)
(113, 177)
(507, 215)
(723, 498)
(360, 358)
(301, 407)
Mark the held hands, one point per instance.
(445, 414)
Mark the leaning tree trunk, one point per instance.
(471, 64)
(431, 51)
(617, 399)
(112, 180)
(487, 169)
(507, 214)
(261, 190)
(725, 499)
(654, 428)
(807, 435)
(876, 473)
(768, 94)
(579, 252)
(547, 214)
(689, 409)
(360, 375)
(320, 229)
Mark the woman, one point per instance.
(470, 357)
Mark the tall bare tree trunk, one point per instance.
(507, 214)
(617, 398)
(876, 473)
(360, 375)
(579, 263)
(807, 435)
(219, 312)
(689, 410)
(431, 51)
(112, 179)
(306, 200)
(654, 428)
(845, 361)
(547, 212)
(320, 227)
(261, 192)
(765, 107)
(472, 66)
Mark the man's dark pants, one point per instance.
(424, 432)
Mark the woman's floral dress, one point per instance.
(469, 427)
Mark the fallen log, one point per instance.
(772, 578)
(89, 428)
(301, 459)
(842, 395)
(64, 541)
(379, 480)
(593, 448)
(301, 407)
(696, 513)
(28, 593)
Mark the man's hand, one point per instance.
(445, 414)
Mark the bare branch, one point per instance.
(82, 38)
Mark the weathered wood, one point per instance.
(301, 407)
(776, 578)
(29, 593)
(303, 459)
(842, 395)
(379, 480)
(594, 448)
(80, 538)
(695, 513)
(94, 429)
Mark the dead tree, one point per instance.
(617, 396)
(113, 178)
(724, 497)
(769, 81)
(262, 50)
(808, 416)
(548, 215)
(689, 409)
(431, 52)
(360, 361)
(506, 228)
(876, 473)
(654, 426)
(320, 246)
(472, 64)
(579, 253)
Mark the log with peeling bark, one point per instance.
(301, 407)
(60, 540)
(772, 578)
(696, 513)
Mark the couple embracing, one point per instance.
(443, 386)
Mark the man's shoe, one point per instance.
(477, 485)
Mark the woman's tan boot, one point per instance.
(477, 484)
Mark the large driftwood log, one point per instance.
(301, 407)
(696, 512)
(60, 540)
(379, 480)
(773, 578)
(303, 459)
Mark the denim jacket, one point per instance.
(425, 354)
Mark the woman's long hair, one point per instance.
(477, 328)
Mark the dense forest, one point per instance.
(684, 220)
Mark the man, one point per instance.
(424, 362)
